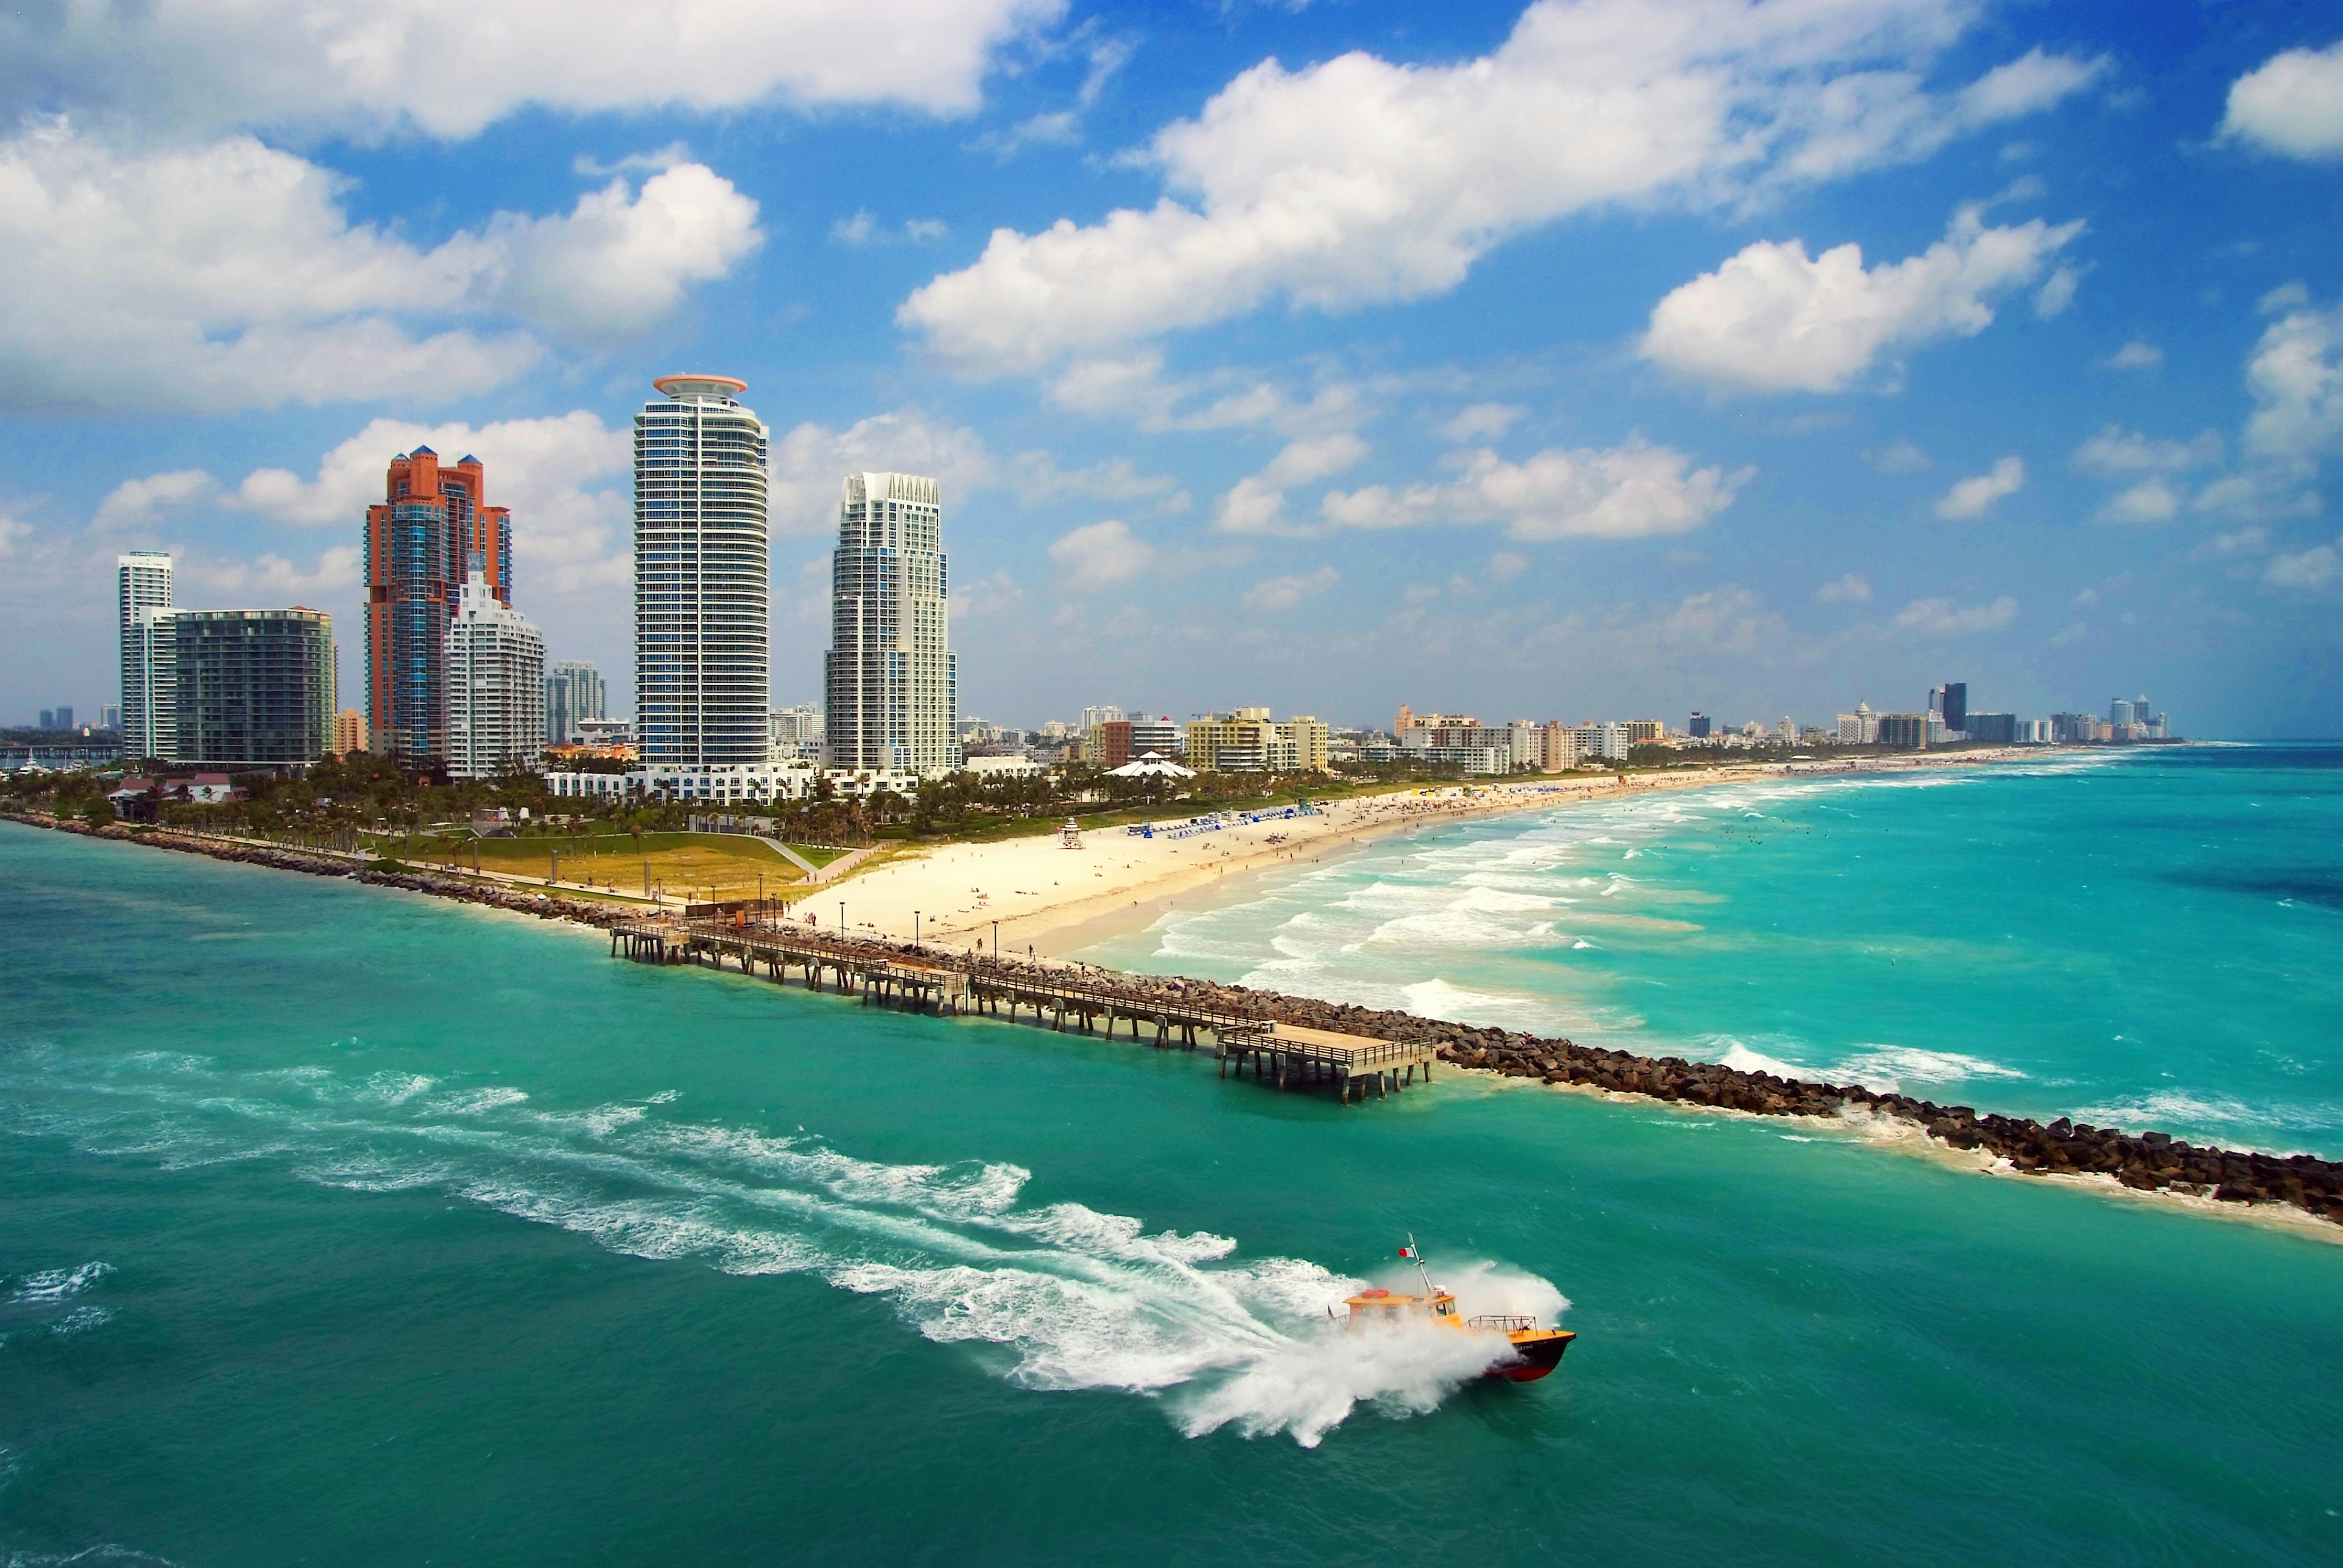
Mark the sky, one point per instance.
(1596, 359)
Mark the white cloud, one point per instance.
(1771, 319)
(1899, 457)
(276, 579)
(1848, 590)
(2309, 571)
(1504, 566)
(622, 260)
(391, 65)
(1357, 181)
(863, 228)
(2054, 297)
(2296, 376)
(1256, 504)
(2292, 104)
(1972, 498)
(134, 503)
(11, 530)
(226, 275)
(2247, 542)
(1038, 478)
(1939, 618)
(1483, 422)
(1284, 593)
(2115, 452)
(1632, 491)
(570, 532)
(1102, 555)
(2149, 501)
(2136, 355)
(811, 463)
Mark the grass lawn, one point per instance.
(697, 864)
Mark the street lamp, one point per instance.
(915, 928)
(996, 941)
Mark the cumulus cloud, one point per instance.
(1848, 590)
(1632, 491)
(2116, 452)
(1483, 422)
(2308, 570)
(2296, 376)
(1256, 504)
(1940, 617)
(1102, 555)
(134, 503)
(1285, 592)
(226, 275)
(622, 260)
(1358, 181)
(1038, 478)
(393, 66)
(809, 464)
(2291, 104)
(1773, 319)
(1973, 497)
(2149, 501)
(2136, 355)
(275, 578)
(556, 474)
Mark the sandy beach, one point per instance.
(1055, 901)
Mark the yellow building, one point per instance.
(1247, 740)
(1642, 731)
(349, 732)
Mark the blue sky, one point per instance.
(1594, 359)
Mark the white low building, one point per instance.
(1003, 767)
(739, 784)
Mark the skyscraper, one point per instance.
(496, 685)
(1957, 705)
(891, 682)
(432, 528)
(573, 692)
(703, 642)
(142, 583)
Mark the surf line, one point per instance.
(2142, 1160)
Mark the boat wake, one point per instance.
(1059, 1296)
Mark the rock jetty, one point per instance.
(2143, 1161)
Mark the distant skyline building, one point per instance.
(574, 693)
(891, 682)
(431, 530)
(495, 685)
(703, 673)
(349, 732)
(1697, 726)
(1956, 706)
(141, 582)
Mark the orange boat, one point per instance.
(1536, 1351)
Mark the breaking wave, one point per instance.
(1065, 1296)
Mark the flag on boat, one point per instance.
(1407, 1251)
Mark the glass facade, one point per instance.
(891, 681)
(702, 592)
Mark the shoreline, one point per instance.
(2147, 1162)
(959, 892)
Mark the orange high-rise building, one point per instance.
(433, 524)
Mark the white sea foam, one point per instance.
(81, 1319)
(1061, 1295)
(57, 1284)
(1886, 1069)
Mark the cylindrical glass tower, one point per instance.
(702, 636)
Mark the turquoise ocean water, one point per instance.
(350, 1227)
(2145, 939)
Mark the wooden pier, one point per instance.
(752, 936)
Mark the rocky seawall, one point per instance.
(2143, 1161)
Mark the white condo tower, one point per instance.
(496, 685)
(142, 585)
(702, 636)
(891, 682)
